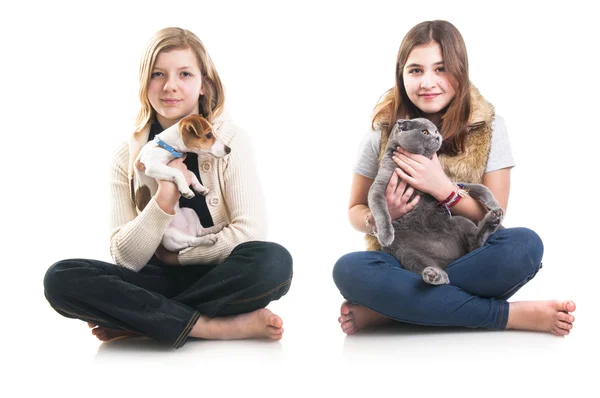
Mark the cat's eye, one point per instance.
(425, 132)
(209, 136)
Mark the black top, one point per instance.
(198, 202)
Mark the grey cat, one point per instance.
(427, 238)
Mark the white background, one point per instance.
(302, 78)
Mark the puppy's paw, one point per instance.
(211, 239)
(435, 276)
(202, 190)
(189, 194)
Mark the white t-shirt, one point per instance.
(500, 153)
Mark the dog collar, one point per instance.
(167, 147)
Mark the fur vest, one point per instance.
(468, 166)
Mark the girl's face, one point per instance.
(175, 86)
(426, 81)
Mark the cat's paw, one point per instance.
(435, 276)
(385, 236)
(189, 194)
(496, 216)
(385, 240)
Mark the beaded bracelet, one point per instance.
(454, 197)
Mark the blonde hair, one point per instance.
(210, 104)
(395, 104)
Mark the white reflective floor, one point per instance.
(314, 357)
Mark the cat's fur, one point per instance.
(426, 239)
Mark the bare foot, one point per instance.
(259, 324)
(544, 316)
(106, 334)
(354, 317)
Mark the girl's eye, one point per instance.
(415, 70)
(441, 69)
(186, 74)
(425, 132)
(156, 74)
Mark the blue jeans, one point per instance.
(480, 283)
(164, 302)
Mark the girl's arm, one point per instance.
(428, 176)
(133, 239)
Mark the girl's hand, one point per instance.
(426, 175)
(178, 163)
(397, 196)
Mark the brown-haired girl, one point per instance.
(432, 81)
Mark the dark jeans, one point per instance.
(164, 302)
(480, 283)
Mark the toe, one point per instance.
(563, 325)
(560, 332)
(351, 330)
(565, 306)
(275, 321)
(345, 318)
(345, 310)
(347, 326)
(274, 331)
(563, 316)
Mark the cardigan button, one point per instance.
(206, 166)
(214, 201)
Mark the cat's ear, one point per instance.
(404, 125)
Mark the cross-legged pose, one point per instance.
(216, 290)
(432, 81)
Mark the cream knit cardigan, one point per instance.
(235, 198)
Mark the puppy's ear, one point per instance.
(204, 126)
(188, 131)
(188, 126)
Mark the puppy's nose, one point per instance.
(227, 149)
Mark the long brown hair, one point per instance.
(210, 103)
(395, 104)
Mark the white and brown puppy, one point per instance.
(191, 134)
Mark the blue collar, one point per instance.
(167, 147)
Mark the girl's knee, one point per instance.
(58, 279)
(345, 268)
(56, 276)
(273, 261)
(532, 247)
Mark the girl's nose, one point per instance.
(428, 81)
(170, 85)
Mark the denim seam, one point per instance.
(400, 320)
(501, 318)
(262, 295)
(76, 316)
(186, 331)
